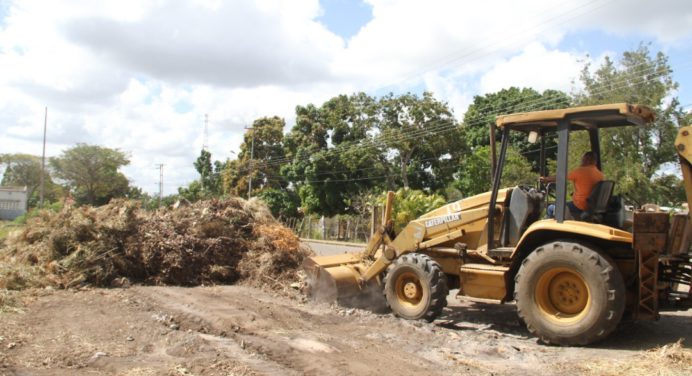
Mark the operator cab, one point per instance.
(540, 127)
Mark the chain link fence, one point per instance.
(354, 229)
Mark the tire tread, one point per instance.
(436, 278)
(610, 277)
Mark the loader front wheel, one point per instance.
(569, 294)
(415, 287)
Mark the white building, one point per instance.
(13, 202)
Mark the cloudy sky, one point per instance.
(141, 75)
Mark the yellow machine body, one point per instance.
(457, 236)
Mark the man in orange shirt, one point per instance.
(585, 178)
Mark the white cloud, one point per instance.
(139, 76)
(455, 93)
(668, 21)
(240, 43)
(118, 79)
(535, 67)
(406, 38)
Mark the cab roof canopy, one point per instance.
(580, 118)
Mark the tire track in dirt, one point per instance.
(305, 340)
(243, 330)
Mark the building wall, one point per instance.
(13, 202)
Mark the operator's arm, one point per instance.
(547, 179)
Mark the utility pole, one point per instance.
(43, 158)
(252, 157)
(205, 139)
(160, 167)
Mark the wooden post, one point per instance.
(355, 229)
(376, 219)
(323, 227)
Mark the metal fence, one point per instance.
(340, 228)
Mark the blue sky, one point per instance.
(140, 76)
(4, 6)
(597, 43)
(345, 17)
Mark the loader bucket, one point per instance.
(336, 279)
(333, 278)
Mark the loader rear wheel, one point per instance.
(415, 287)
(569, 294)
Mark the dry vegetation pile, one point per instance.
(208, 242)
(669, 360)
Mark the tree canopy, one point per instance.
(356, 146)
(475, 176)
(353, 145)
(25, 170)
(331, 154)
(91, 173)
(637, 77)
(484, 109)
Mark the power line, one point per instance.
(440, 127)
(519, 105)
(281, 178)
(502, 40)
(437, 127)
(569, 14)
(445, 125)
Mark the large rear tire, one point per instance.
(569, 294)
(415, 287)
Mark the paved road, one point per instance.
(322, 248)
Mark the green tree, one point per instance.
(353, 145)
(484, 110)
(475, 176)
(410, 204)
(332, 156)
(193, 192)
(230, 177)
(260, 158)
(426, 140)
(637, 77)
(91, 173)
(282, 203)
(668, 190)
(25, 170)
(210, 174)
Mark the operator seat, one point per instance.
(597, 203)
(525, 206)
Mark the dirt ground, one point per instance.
(240, 330)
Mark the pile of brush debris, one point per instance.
(208, 242)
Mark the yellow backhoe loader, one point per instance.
(572, 279)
